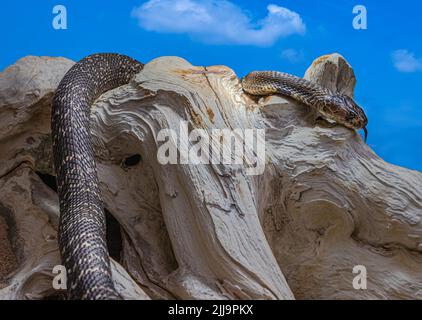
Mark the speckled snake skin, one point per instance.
(330, 105)
(82, 222)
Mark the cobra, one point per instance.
(82, 226)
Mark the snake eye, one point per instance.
(351, 116)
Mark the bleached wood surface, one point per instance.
(324, 203)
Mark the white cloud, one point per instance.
(292, 55)
(218, 21)
(405, 61)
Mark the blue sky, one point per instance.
(283, 35)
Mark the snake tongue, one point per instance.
(366, 133)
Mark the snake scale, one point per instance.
(82, 231)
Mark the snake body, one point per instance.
(330, 105)
(82, 222)
(82, 231)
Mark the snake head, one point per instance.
(356, 117)
(346, 111)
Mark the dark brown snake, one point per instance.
(82, 231)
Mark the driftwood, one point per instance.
(323, 203)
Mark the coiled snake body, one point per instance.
(82, 222)
(330, 105)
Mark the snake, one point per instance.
(332, 106)
(82, 223)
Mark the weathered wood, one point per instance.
(324, 203)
